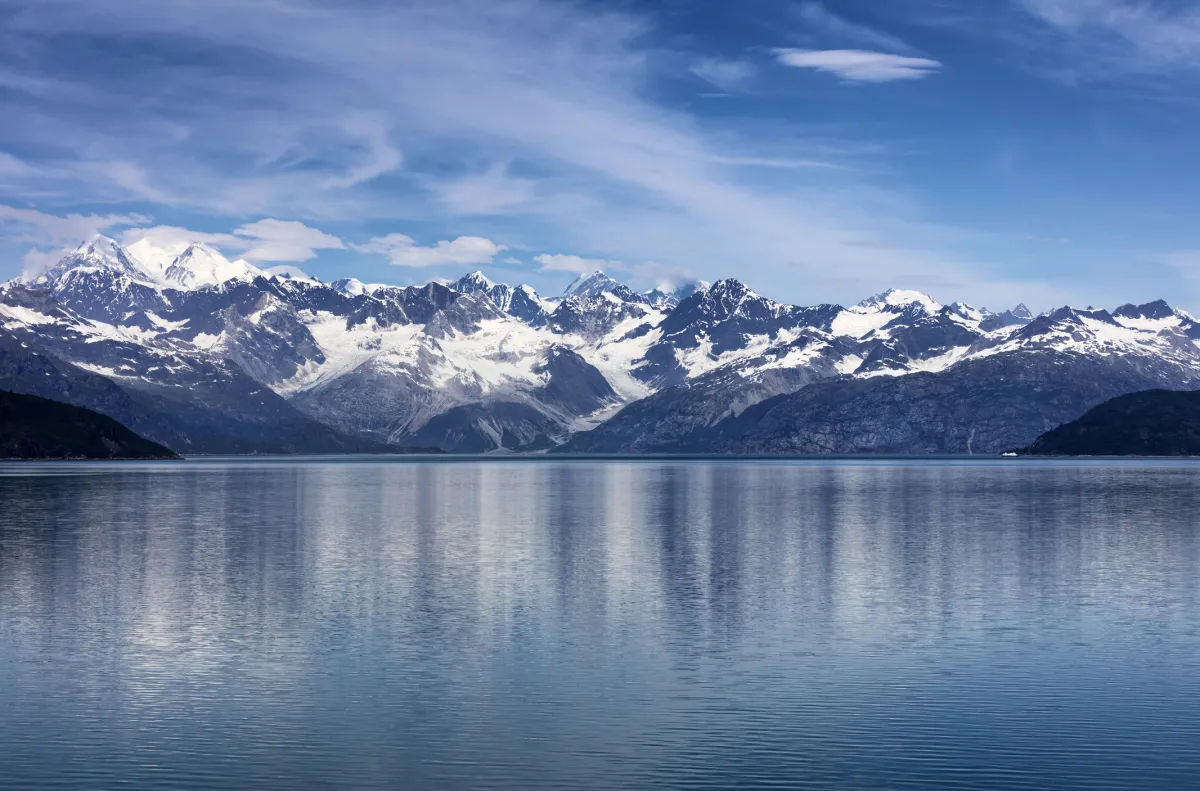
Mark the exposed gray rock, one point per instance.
(990, 405)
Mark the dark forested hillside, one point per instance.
(38, 428)
(1151, 423)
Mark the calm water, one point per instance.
(521, 625)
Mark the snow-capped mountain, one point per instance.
(200, 265)
(211, 355)
(667, 296)
(592, 284)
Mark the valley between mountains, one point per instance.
(206, 355)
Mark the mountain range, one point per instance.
(207, 355)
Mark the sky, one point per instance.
(989, 151)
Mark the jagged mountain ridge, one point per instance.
(476, 366)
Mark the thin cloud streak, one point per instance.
(728, 75)
(817, 16)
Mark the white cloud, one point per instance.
(285, 241)
(160, 245)
(559, 262)
(662, 275)
(728, 75)
(36, 261)
(403, 250)
(289, 271)
(264, 241)
(855, 65)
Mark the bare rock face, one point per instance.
(988, 406)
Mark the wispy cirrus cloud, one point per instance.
(378, 157)
(854, 65)
(41, 228)
(727, 75)
(1186, 263)
(819, 18)
(302, 108)
(1170, 31)
(1109, 38)
(492, 191)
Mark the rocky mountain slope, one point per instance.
(208, 355)
(38, 428)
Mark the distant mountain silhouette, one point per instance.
(1150, 423)
(38, 428)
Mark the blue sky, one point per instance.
(1001, 151)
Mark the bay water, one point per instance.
(651, 624)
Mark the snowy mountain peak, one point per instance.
(198, 248)
(99, 246)
(351, 286)
(99, 252)
(968, 312)
(102, 251)
(473, 283)
(1022, 312)
(591, 285)
(722, 300)
(668, 296)
(896, 298)
(200, 265)
(730, 288)
(1158, 309)
(660, 298)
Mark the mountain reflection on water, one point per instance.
(651, 624)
